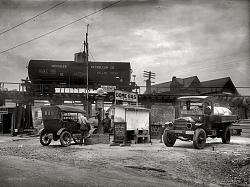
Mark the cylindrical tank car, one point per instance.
(50, 74)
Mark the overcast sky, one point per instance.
(207, 38)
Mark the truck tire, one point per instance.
(65, 138)
(169, 138)
(199, 139)
(226, 135)
(44, 140)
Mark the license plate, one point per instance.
(178, 131)
(189, 132)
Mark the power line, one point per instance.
(91, 56)
(79, 19)
(39, 14)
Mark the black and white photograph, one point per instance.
(103, 93)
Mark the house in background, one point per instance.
(193, 86)
(218, 86)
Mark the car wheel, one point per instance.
(199, 139)
(226, 135)
(44, 139)
(169, 139)
(65, 138)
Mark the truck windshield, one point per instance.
(191, 108)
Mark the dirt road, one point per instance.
(27, 163)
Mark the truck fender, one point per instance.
(166, 129)
(60, 131)
(198, 124)
(40, 131)
(169, 124)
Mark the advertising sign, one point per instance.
(120, 132)
(99, 104)
(126, 96)
(3, 111)
(108, 88)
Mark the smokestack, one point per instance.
(173, 78)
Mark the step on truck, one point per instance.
(198, 119)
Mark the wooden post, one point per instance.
(150, 126)
(100, 129)
(99, 107)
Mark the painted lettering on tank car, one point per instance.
(70, 72)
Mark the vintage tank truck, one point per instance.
(198, 118)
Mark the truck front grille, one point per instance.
(180, 124)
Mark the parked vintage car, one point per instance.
(60, 122)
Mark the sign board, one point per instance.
(120, 132)
(3, 111)
(99, 104)
(108, 88)
(126, 96)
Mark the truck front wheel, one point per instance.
(226, 135)
(169, 138)
(199, 139)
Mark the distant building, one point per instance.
(218, 86)
(193, 86)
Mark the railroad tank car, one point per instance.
(74, 74)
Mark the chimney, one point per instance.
(173, 78)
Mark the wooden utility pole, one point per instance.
(87, 71)
(149, 75)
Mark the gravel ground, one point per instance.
(217, 164)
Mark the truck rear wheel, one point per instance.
(226, 135)
(169, 138)
(199, 139)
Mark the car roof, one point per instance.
(65, 108)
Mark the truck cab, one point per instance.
(196, 119)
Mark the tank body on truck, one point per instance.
(197, 119)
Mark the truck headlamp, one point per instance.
(189, 126)
(170, 125)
